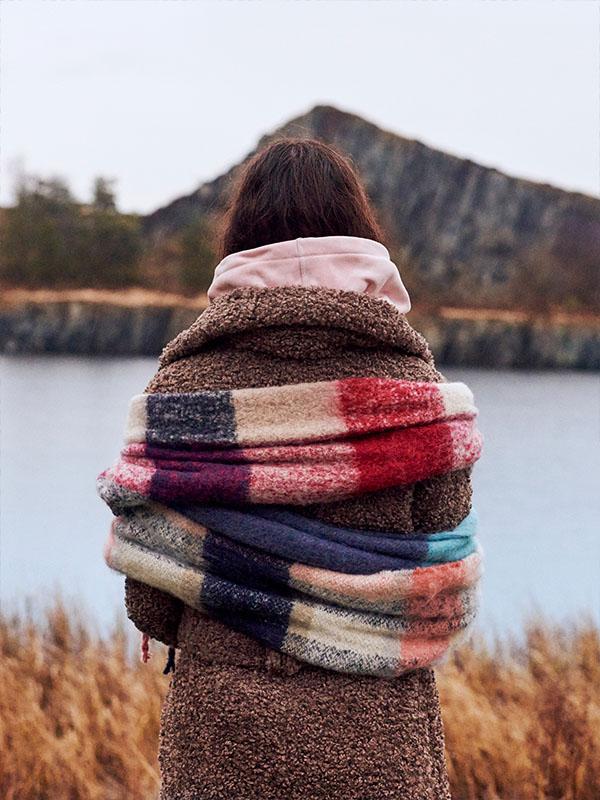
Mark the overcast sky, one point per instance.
(163, 95)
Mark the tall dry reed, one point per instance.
(79, 714)
(522, 718)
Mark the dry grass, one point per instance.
(523, 719)
(79, 714)
(132, 297)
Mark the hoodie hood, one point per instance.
(349, 263)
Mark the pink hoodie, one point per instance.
(331, 262)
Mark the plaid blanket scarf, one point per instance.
(206, 494)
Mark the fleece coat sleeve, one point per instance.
(153, 612)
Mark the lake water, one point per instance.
(536, 487)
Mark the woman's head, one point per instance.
(296, 188)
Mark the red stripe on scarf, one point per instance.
(369, 404)
(408, 455)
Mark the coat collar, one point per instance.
(252, 311)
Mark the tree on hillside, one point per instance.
(196, 256)
(39, 232)
(49, 239)
(104, 195)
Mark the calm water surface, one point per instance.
(536, 487)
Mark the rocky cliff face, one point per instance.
(103, 328)
(468, 235)
(83, 328)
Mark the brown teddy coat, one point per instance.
(241, 721)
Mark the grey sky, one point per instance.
(162, 94)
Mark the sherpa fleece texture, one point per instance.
(225, 730)
(333, 262)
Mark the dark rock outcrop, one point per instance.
(84, 328)
(498, 343)
(469, 235)
(99, 328)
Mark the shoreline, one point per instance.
(138, 321)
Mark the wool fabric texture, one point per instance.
(334, 262)
(341, 599)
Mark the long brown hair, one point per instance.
(292, 188)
